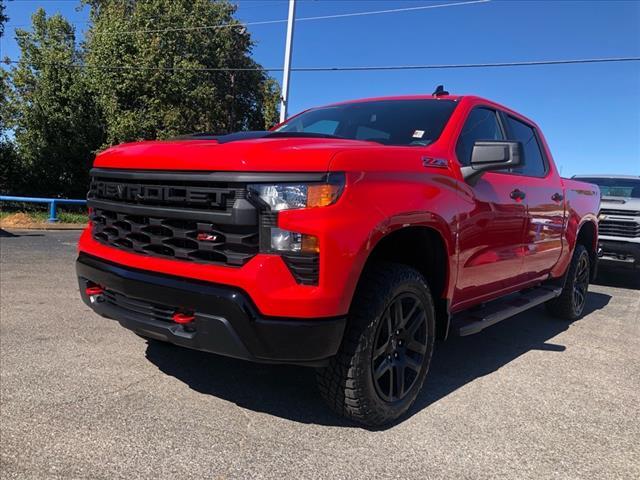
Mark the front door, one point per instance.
(491, 223)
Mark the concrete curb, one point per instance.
(39, 226)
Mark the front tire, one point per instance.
(385, 354)
(570, 304)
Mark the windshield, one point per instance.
(389, 122)
(616, 187)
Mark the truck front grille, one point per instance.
(175, 238)
(624, 213)
(619, 228)
(179, 216)
(195, 195)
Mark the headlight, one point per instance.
(288, 196)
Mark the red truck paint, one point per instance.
(502, 234)
(489, 258)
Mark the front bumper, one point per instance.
(226, 321)
(619, 252)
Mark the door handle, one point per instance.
(518, 195)
(557, 197)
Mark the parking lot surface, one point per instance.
(81, 397)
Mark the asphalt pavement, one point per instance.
(81, 397)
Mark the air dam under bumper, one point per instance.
(226, 321)
(619, 252)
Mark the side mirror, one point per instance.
(491, 155)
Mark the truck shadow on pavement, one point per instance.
(290, 392)
(618, 277)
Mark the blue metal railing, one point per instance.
(53, 203)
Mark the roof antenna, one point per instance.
(440, 91)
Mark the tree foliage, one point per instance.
(7, 151)
(55, 120)
(3, 18)
(150, 83)
(63, 102)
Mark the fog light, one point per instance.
(287, 241)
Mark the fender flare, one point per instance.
(413, 219)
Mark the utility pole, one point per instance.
(284, 101)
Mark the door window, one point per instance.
(481, 124)
(534, 164)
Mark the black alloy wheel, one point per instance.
(386, 351)
(581, 283)
(571, 302)
(399, 347)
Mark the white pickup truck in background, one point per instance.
(619, 218)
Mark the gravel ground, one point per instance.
(81, 397)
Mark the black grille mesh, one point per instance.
(175, 238)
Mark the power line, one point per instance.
(349, 68)
(263, 3)
(284, 20)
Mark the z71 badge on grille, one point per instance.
(206, 237)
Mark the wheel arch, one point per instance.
(588, 237)
(423, 247)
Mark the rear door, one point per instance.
(543, 192)
(491, 221)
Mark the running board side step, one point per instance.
(475, 320)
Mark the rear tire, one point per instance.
(570, 304)
(386, 350)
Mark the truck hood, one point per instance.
(621, 203)
(255, 155)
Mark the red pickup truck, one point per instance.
(347, 238)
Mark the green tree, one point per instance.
(3, 18)
(55, 119)
(149, 81)
(8, 161)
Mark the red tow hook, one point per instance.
(94, 292)
(183, 318)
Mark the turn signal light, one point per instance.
(323, 194)
(310, 244)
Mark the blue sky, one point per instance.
(590, 114)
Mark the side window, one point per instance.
(481, 124)
(534, 164)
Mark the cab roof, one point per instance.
(474, 99)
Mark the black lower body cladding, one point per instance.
(226, 321)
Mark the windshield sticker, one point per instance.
(418, 134)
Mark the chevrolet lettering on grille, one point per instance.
(214, 197)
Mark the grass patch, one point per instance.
(42, 216)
